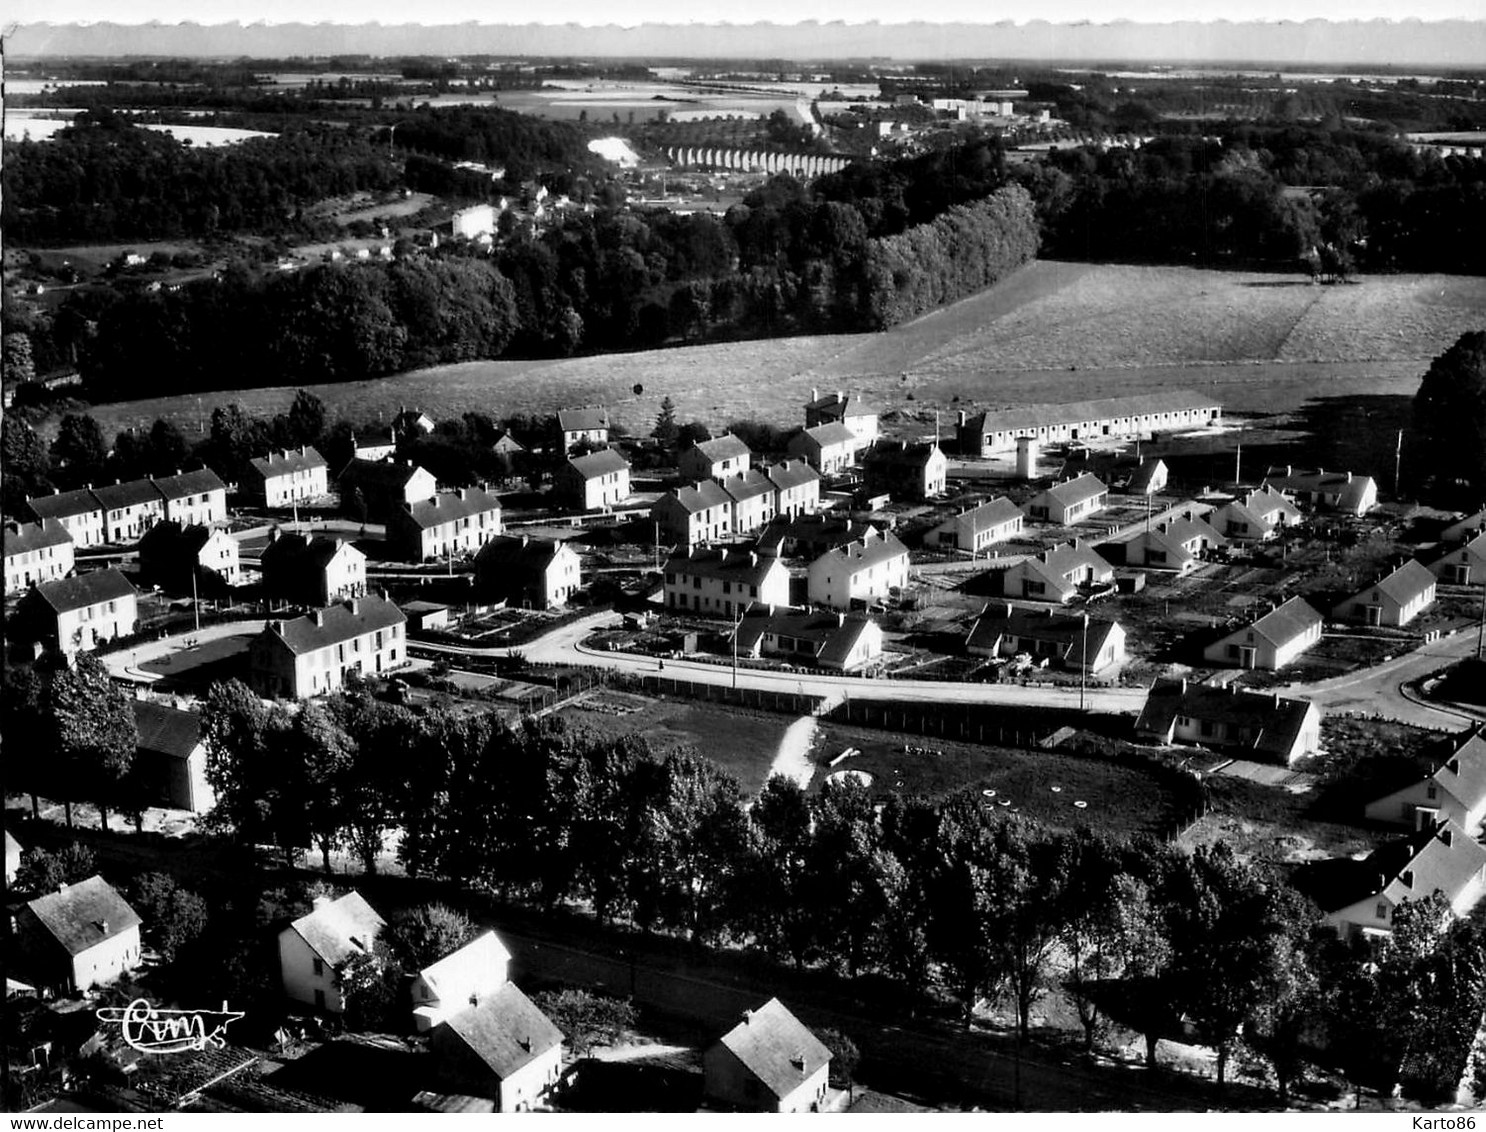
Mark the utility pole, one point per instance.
(737, 628)
(1481, 628)
(1237, 464)
(1397, 462)
(1083, 671)
(195, 603)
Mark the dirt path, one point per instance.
(793, 759)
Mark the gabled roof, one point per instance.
(521, 554)
(182, 484)
(286, 462)
(834, 635)
(791, 473)
(1350, 490)
(167, 730)
(1285, 622)
(1463, 773)
(698, 497)
(1065, 558)
(64, 504)
(21, 538)
(830, 435)
(170, 537)
(340, 929)
(1069, 492)
(747, 485)
(904, 455)
(387, 473)
(1187, 527)
(334, 624)
(867, 552)
(292, 550)
(506, 1031)
(1472, 552)
(813, 529)
(447, 506)
(1273, 722)
(1076, 412)
(1144, 475)
(1466, 528)
(775, 1047)
(601, 463)
(1063, 631)
(83, 590)
(723, 563)
(482, 954)
(1267, 501)
(83, 915)
(994, 513)
(1440, 859)
(725, 447)
(132, 493)
(1405, 583)
(582, 420)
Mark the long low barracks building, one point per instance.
(996, 431)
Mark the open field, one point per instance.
(1052, 332)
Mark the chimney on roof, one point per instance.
(102, 926)
(815, 393)
(840, 396)
(798, 1061)
(319, 616)
(354, 605)
(753, 558)
(1408, 878)
(747, 1017)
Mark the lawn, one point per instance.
(204, 664)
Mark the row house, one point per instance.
(828, 448)
(594, 482)
(81, 612)
(193, 499)
(526, 571)
(1066, 640)
(716, 459)
(796, 488)
(1179, 544)
(1069, 502)
(1057, 574)
(129, 509)
(78, 511)
(724, 582)
(1394, 600)
(445, 524)
(694, 516)
(123, 512)
(839, 407)
(1272, 641)
(1321, 490)
(864, 571)
(314, 654)
(906, 471)
(977, 528)
(36, 553)
(1261, 726)
(752, 495)
(838, 641)
(286, 478)
(373, 491)
(997, 431)
(312, 571)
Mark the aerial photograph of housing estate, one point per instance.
(774, 568)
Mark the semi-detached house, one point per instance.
(84, 611)
(1057, 573)
(752, 497)
(314, 654)
(448, 523)
(978, 528)
(864, 571)
(1069, 502)
(35, 553)
(796, 488)
(724, 582)
(694, 516)
(828, 448)
(78, 511)
(1394, 600)
(715, 459)
(196, 498)
(1272, 641)
(593, 482)
(1454, 791)
(129, 509)
(281, 479)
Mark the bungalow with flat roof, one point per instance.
(314, 654)
(996, 431)
(178, 559)
(906, 471)
(170, 760)
(459, 980)
(864, 571)
(82, 936)
(724, 582)
(1455, 791)
(197, 498)
(977, 528)
(35, 553)
(1261, 726)
(1070, 501)
(1179, 544)
(1463, 566)
(526, 571)
(1321, 490)
(840, 407)
(503, 1049)
(752, 496)
(1149, 477)
(593, 482)
(1394, 600)
(828, 448)
(81, 612)
(445, 524)
(1255, 517)
(1067, 640)
(282, 479)
(796, 487)
(129, 509)
(1270, 642)
(314, 949)
(582, 426)
(373, 491)
(768, 1062)
(78, 511)
(715, 459)
(839, 641)
(694, 516)
(1056, 574)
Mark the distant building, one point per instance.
(78, 511)
(540, 573)
(1149, 478)
(85, 935)
(1362, 897)
(838, 641)
(170, 761)
(282, 479)
(503, 1048)
(459, 980)
(1179, 544)
(313, 654)
(1325, 491)
(582, 426)
(129, 509)
(1255, 517)
(36, 553)
(769, 1062)
(593, 482)
(474, 222)
(715, 459)
(906, 471)
(838, 407)
(724, 582)
(79, 613)
(752, 497)
(196, 498)
(445, 524)
(314, 949)
(827, 448)
(373, 491)
(694, 516)
(410, 424)
(864, 571)
(1057, 574)
(977, 528)
(988, 433)
(1261, 726)
(1394, 600)
(312, 571)
(1455, 791)
(1463, 566)
(796, 488)
(1069, 502)
(1272, 641)
(172, 557)
(1066, 640)
(373, 444)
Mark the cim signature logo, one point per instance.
(169, 1031)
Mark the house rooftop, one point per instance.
(1031, 417)
(336, 930)
(166, 730)
(385, 473)
(335, 624)
(132, 493)
(1069, 492)
(64, 504)
(700, 496)
(1144, 474)
(775, 1047)
(724, 563)
(582, 420)
(872, 549)
(21, 538)
(506, 1031)
(1285, 622)
(1441, 858)
(288, 461)
(991, 514)
(83, 915)
(183, 484)
(1064, 631)
(483, 953)
(1405, 583)
(604, 462)
(83, 590)
(520, 553)
(747, 485)
(831, 434)
(834, 635)
(791, 473)
(725, 447)
(1273, 722)
(901, 455)
(447, 506)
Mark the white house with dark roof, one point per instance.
(839, 407)
(1325, 491)
(82, 936)
(1463, 530)
(863, 571)
(906, 470)
(170, 760)
(280, 479)
(1463, 566)
(312, 571)
(172, 557)
(1255, 517)
(1261, 726)
(503, 1049)
(988, 433)
(313, 654)
(459, 980)
(446, 523)
(1178, 544)
(715, 459)
(593, 482)
(316, 947)
(78, 511)
(373, 444)
(837, 641)
(129, 509)
(582, 426)
(768, 1062)
(827, 448)
(1149, 477)
(1270, 642)
(796, 487)
(84, 611)
(1069, 502)
(1067, 640)
(1455, 792)
(1394, 600)
(752, 496)
(695, 515)
(196, 498)
(412, 423)
(1363, 896)
(521, 570)
(723, 582)
(1056, 574)
(36, 553)
(978, 528)
(375, 490)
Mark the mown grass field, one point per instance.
(1052, 332)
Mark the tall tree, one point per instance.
(423, 935)
(306, 418)
(79, 447)
(95, 732)
(665, 422)
(328, 756)
(168, 448)
(779, 871)
(1450, 411)
(173, 916)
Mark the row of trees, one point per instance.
(934, 896)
